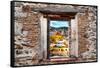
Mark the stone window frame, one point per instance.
(48, 18)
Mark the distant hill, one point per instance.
(58, 27)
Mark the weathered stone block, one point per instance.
(26, 8)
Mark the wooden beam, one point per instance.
(59, 17)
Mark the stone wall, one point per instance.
(27, 36)
(30, 42)
(87, 32)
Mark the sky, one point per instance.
(58, 24)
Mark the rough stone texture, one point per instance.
(87, 32)
(28, 33)
(27, 36)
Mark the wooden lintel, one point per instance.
(68, 17)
